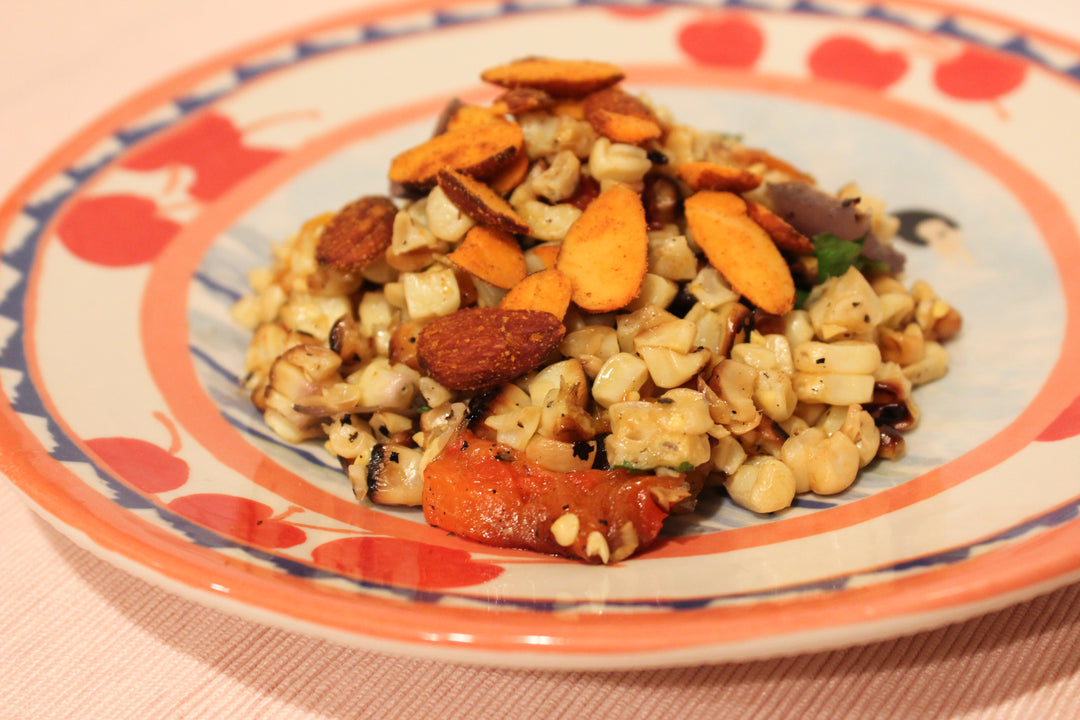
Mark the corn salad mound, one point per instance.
(602, 298)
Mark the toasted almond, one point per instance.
(479, 347)
(783, 234)
(521, 100)
(558, 78)
(741, 250)
(510, 176)
(358, 234)
(480, 202)
(704, 175)
(468, 115)
(477, 150)
(492, 255)
(621, 117)
(605, 252)
(548, 290)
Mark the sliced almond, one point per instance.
(510, 176)
(559, 78)
(548, 290)
(468, 115)
(605, 252)
(478, 150)
(621, 117)
(741, 250)
(783, 234)
(480, 202)
(358, 234)
(704, 175)
(492, 255)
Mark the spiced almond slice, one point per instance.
(358, 234)
(621, 117)
(705, 175)
(479, 150)
(605, 252)
(492, 255)
(741, 250)
(558, 78)
(783, 234)
(480, 202)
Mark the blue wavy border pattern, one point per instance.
(19, 255)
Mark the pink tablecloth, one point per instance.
(80, 639)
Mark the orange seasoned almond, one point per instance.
(479, 347)
(558, 78)
(492, 255)
(621, 117)
(605, 252)
(479, 150)
(704, 175)
(548, 290)
(480, 202)
(741, 250)
(467, 115)
(358, 234)
(783, 234)
(510, 176)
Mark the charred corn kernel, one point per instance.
(560, 179)
(844, 307)
(762, 484)
(846, 356)
(548, 222)
(797, 453)
(711, 289)
(618, 162)
(655, 290)
(671, 257)
(596, 545)
(897, 309)
(834, 465)
(444, 219)
(781, 349)
(433, 392)
(676, 335)
(349, 437)
(903, 347)
(568, 374)
(628, 542)
(619, 379)
(314, 315)
(797, 327)
(409, 234)
(756, 356)
(669, 369)
(833, 388)
(629, 325)
(386, 385)
(432, 293)
(597, 341)
(727, 455)
(774, 394)
(560, 456)
(565, 529)
(933, 365)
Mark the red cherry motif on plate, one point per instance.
(240, 518)
(725, 42)
(115, 230)
(403, 563)
(1066, 425)
(142, 464)
(853, 60)
(979, 74)
(212, 146)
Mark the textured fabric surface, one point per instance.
(81, 639)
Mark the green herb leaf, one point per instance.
(835, 255)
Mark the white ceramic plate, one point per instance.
(124, 426)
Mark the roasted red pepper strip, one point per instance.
(486, 491)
